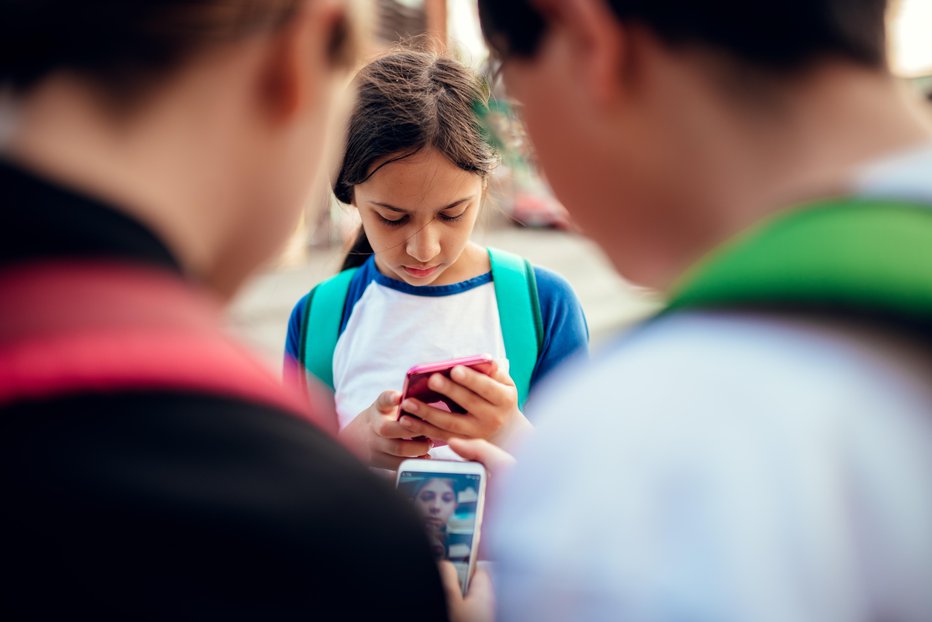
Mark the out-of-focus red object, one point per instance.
(535, 209)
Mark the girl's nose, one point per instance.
(424, 245)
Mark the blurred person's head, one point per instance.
(415, 164)
(666, 126)
(207, 120)
(436, 500)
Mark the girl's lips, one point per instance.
(420, 273)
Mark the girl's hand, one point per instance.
(376, 437)
(495, 459)
(479, 603)
(491, 403)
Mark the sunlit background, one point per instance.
(911, 38)
(521, 214)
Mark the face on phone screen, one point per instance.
(447, 502)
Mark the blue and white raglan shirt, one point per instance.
(388, 326)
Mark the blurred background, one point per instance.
(520, 215)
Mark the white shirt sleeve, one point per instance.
(724, 469)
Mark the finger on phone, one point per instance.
(389, 428)
(451, 582)
(419, 427)
(494, 459)
(403, 448)
(480, 587)
(492, 388)
(387, 401)
(502, 372)
(457, 392)
(453, 424)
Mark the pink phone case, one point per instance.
(417, 377)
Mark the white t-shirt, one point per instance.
(391, 330)
(389, 326)
(730, 467)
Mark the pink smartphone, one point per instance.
(417, 377)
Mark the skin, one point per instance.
(476, 606)
(436, 501)
(660, 166)
(418, 214)
(217, 158)
(379, 438)
(434, 206)
(660, 160)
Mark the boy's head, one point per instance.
(207, 120)
(652, 118)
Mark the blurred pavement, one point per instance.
(260, 313)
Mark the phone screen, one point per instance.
(447, 502)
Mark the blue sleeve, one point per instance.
(566, 333)
(293, 339)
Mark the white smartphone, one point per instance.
(450, 497)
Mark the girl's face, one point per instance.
(436, 501)
(418, 214)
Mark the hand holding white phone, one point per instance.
(450, 498)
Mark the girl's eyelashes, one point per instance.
(447, 218)
(392, 223)
(397, 222)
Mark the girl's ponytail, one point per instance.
(359, 252)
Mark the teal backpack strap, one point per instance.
(519, 314)
(321, 326)
(868, 257)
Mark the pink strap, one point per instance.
(97, 327)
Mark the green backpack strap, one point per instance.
(519, 314)
(323, 312)
(863, 256)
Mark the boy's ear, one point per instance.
(303, 57)
(598, 41)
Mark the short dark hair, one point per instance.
(777, 36)
(123, 43)
(408, 100)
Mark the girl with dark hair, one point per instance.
(153, 153)
(414, 287)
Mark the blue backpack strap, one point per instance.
(321, 326)
(519, 314)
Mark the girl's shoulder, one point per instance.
(552, 286)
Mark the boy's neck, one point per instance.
(812, 145)
(837, 123)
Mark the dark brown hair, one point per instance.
(775, 36)
(408, 100)
(125, 44)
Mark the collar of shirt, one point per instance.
(43, 220)
(901, 176)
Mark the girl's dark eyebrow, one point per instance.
(404, 211)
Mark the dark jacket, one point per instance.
(182, 503)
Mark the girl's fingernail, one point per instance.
(458, 373)
(406, 422)
(435, 382)
(409, 406)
